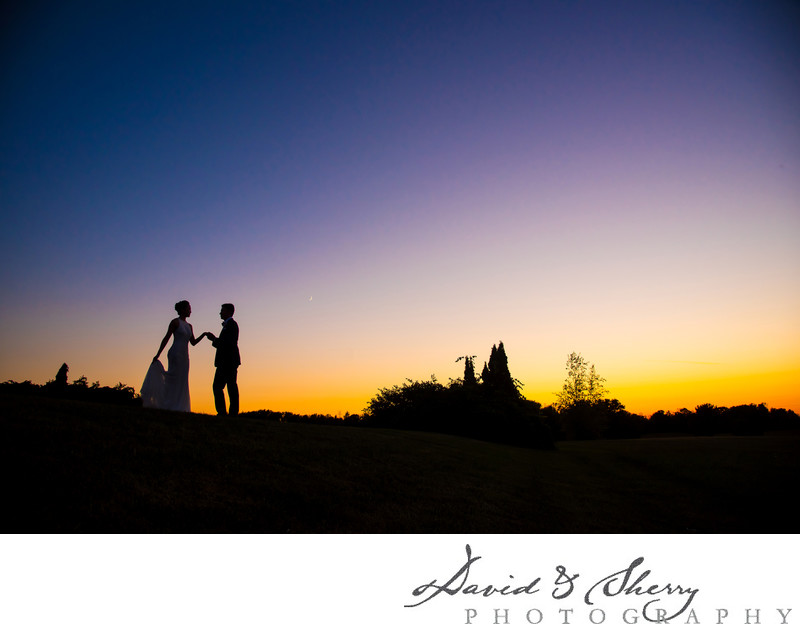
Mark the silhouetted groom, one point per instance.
(227, 361)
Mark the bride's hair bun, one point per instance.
(180, 305)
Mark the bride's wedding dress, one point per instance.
(170, 389)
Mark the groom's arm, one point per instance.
(228, 337)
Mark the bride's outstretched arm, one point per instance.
(173, 325)
(194, 340)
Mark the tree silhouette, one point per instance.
(493, 410)
(583, 411)
(496, 376)
(61, 378)
(469, 370)
(582, 386)
(705, 420)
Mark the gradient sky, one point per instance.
(382, 187)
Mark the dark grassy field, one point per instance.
(79, 467)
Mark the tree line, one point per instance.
(79, 389)
(488, 406)
(582, 411)
(491, 407)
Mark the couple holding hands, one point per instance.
(169, 389)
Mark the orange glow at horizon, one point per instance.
(330, 362)
(776, 389)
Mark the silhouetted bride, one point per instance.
(170, 389)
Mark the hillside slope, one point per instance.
(82, 467)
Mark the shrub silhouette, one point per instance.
(288, 417)
(491, 409)
(80, 389)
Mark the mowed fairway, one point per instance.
(79, 467)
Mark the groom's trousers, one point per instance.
(226, 378)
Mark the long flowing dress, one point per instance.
(169, 389)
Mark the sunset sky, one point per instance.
(382, 187)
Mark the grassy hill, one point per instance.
(81, 467)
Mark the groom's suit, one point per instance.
(227, 361)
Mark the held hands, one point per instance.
(210, 336)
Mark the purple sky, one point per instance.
(614, 178)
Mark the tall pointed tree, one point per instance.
(469, 370)
(490, 370)
(497, 375)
